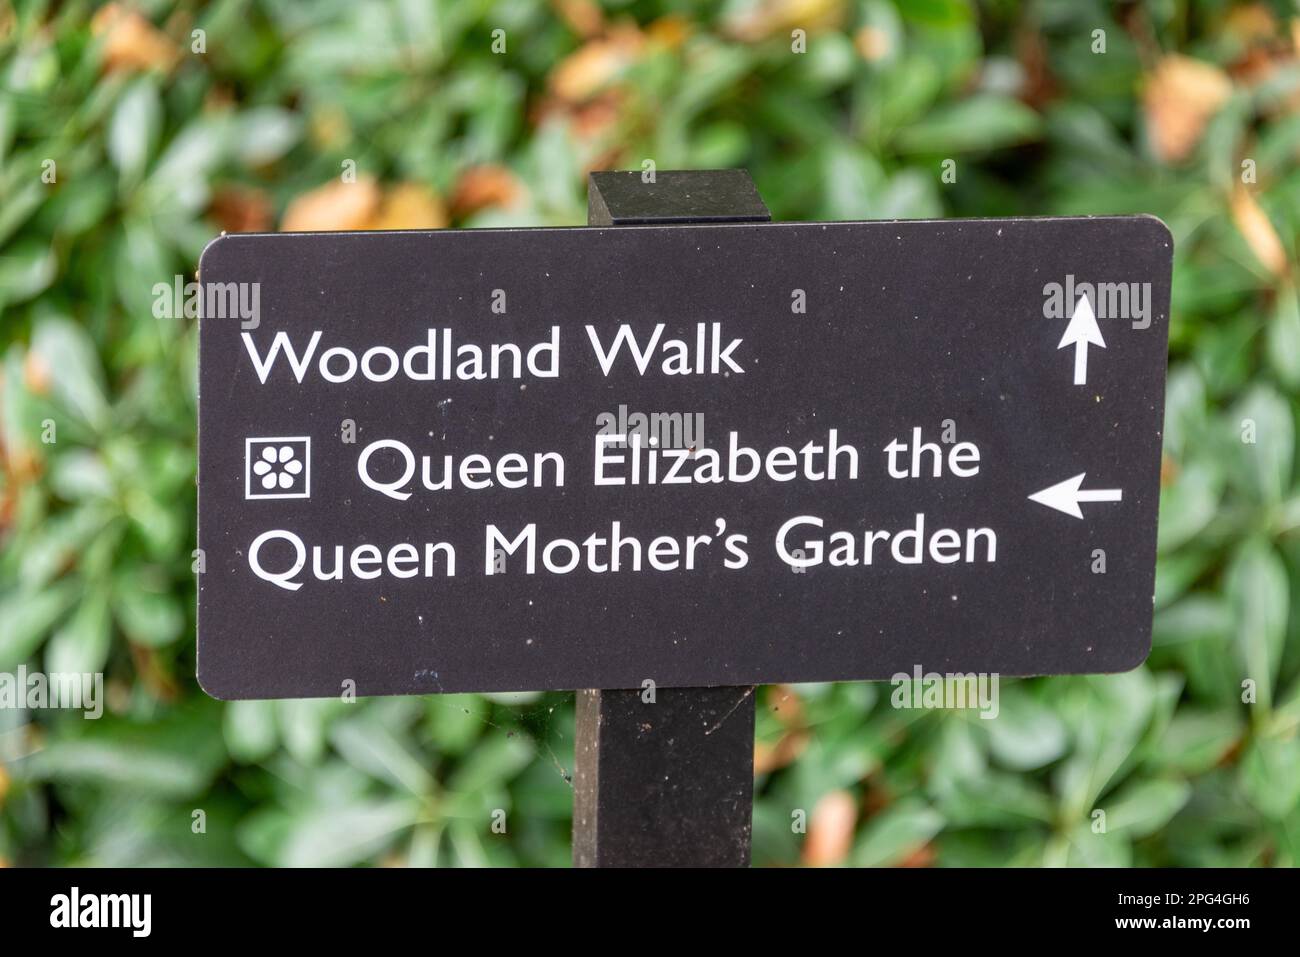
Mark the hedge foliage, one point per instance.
(128, 140)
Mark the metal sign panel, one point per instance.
(695, 455)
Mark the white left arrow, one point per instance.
(1066, 496)
(1080, 333)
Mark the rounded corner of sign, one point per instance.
(1143, 652)
(210, 250)
(211, 687)
(1163, 232)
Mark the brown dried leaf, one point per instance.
(1169, 471)
(1258, 232)
(669, 31)
(873, 44)
(238, 209)
(772, 757)
(768, 18)
(584, 17)
(1267, 54)
(37, 375)
(1180, 97)
(154, 674)
(923, 856)
(1040, 87)
(485, 187)
(592, 120)
(1251, 23)
(764, 755)
(586, 71)
(786, 705)
(334, 206)
(131, 42)
(830, 831)
(409, 206)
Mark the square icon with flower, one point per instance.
(277, 467)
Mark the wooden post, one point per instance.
(668, 784)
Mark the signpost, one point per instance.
(666, 778)
(680, 459)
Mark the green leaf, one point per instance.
(1188, 504)
(896, 832)
(20, 202)
(982, 122)
(173, 755)
(852, 180)
(1270, 775)
(1026, 733)
(303, 725)
(374, 748)
(1197, 740)
(80, 474)
(1107, 716)
(1195, 618)
(250, 730)
(1260, 593)
(903, 94)
(456, 721)
(1146, 807)
(1284, 337)
(26, 269)
(26, 619)
(81, 645)
(180, 178)
(267, 133)
(496, 759)
(134, 128)
(59, 542)
(937, 13)
(1266, 443)
(1176, 572)
(340, 836)
(996, 799)
(78, 378)
(151, 618)
(1186, 419)
(1089, 848)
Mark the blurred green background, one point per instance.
(127, 140)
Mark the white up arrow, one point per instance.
(1082, 331)
(1066, 496)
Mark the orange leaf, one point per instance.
(131, 42)
(1180, 97)
(408, 206)
(830, 832)
(485, 187)
(1258, 232)
(873, 44)
(768, 18)
(669, 31)
(586, 71)
(334, 206)
(584, 17)
(241, 210)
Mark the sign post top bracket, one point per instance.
(626, 198)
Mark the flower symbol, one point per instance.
(277, 467)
